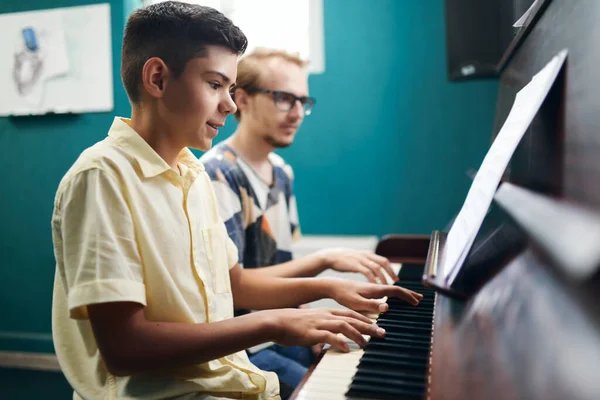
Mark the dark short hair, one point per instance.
(175, 32)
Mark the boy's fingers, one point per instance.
(351, 314)
(346, 329)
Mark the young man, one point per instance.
(146, 277)
(254, 189)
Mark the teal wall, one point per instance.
(388, 144)
(34, 154)
(386, 149)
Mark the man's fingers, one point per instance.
(375, 268)
(384, 263)
(378, 259)
(388, 268)
(367, 272)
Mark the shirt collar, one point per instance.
(149, 161)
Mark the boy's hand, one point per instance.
(362, 296)
(317, 348)
(371, 265)
(307, 327)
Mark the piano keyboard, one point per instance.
(394, 367)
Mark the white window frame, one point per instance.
(316, 37)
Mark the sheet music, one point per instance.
(527, 103)
(521, 21)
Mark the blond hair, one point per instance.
(252, 64)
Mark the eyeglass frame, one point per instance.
(276, 93)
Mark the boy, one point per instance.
(146, 277)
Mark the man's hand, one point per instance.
(367, 263)
(363, 296)
(307, 327)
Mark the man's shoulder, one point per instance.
(220, 159)
(279, 163)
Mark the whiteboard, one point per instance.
(57, 60)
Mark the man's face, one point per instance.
(196, 103)
(267, 120)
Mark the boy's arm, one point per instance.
(256, 291)
(130, 344)
(104, 282)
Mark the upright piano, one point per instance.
(526, 324)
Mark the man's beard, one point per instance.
(276, 143)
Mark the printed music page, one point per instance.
(526, 105)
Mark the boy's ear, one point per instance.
(155, 74)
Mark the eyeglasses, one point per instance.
(285, 101)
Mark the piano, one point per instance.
(526, 324)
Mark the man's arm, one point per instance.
(130, 344)
(304, 267)
(231, 208)
(256, 291)
(372, 266)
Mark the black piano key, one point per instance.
(392, 353)
(408, 311)
(377, 359)
(422, 303)
(384, 353)
(365, 378)
(379, 392)
(416, 313)
(400, 316)
(395, 366)
(392, 373)
(409, 338)
(405, 327)
(400, 347)
(416, 344)
(406, 317)
(404, 321)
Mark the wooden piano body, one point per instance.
(530, 330)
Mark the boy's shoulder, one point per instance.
(103, 156)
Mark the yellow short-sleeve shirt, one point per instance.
(126, 227)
